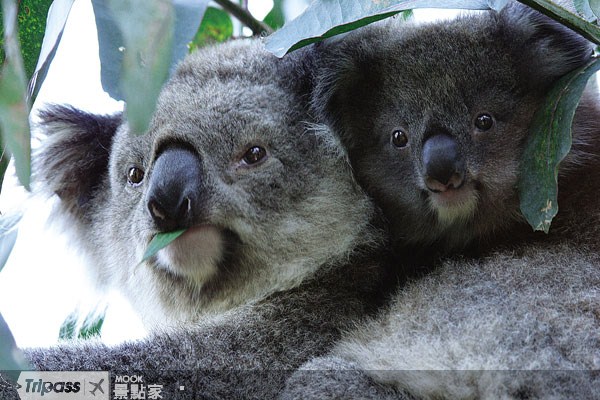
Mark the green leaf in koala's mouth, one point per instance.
(160, 241)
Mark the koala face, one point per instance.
(265, 201)
(436, 116)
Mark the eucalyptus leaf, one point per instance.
(14, 110)
(548, 144)
(110, 45)
(11, 358)
(69, 326)
(187, 17)
(275, 18)
(595, 7)
(326, 18)
(575, 22)
(8, 235)
(584, 10)
(54, 26)
(147, 29)
(90, 327)
(4, 161)
(160, 241)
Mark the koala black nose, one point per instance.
(174, 195)
(442, 163)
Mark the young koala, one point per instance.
(435, 118)
(446, 108)
(281, 249)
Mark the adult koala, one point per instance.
(280, 252)
(435, 119)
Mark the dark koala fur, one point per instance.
(85, 151)
(280, 256)
(437, 78)
(522, 319)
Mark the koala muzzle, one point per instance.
(443, 166)
(174, 190)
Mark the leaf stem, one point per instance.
(257, 27)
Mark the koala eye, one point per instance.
(399, 138)
(484, 122)
(253, 155)
(135, 176)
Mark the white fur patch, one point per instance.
(194, 254)
(454, 206)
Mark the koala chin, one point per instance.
(282, 249)
(195, 254)
(435, 118)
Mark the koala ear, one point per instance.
(73, 161)
(348, 75)
(296, 70)
(545, 49)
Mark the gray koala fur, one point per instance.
(520, 321)
(293, 254)
(514, 324)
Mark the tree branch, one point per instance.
(257, 27)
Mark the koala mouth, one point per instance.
(454, 205)
(195, 254)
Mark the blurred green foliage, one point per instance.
(32, 25)
(216, 27)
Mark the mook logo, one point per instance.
(62, 385)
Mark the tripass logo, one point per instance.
(62, 385)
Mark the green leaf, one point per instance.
(31, 18)
(110, 44)
(147, 29)
(583, 9)
(11, 358)
(90, 327)
(575, 22)
(14, 110)
(187, 16)
(4, 161)
(69, 326)
(216, 27)
(160, 241)
(275, 18)
(8, 235)
(55, 25)
(326, 18)
(595, 7)
(547, 146)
